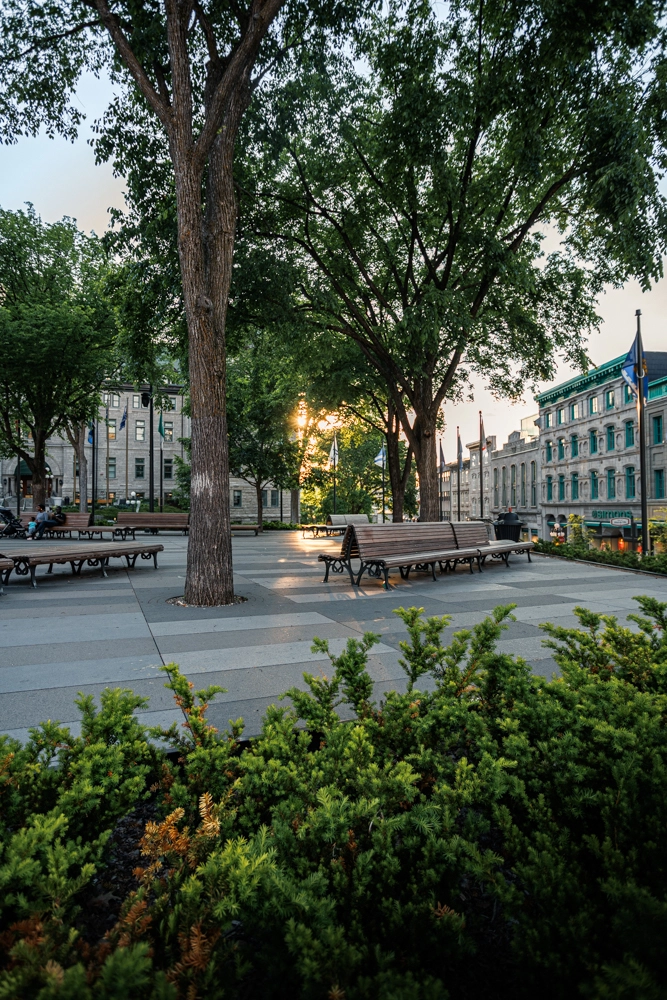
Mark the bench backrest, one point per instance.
(369, 541)
(337, 520)
(166, 520)
(470, 533)
(72, 520)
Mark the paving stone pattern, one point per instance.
(86, 633)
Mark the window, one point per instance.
(593, 405)
(111, 430)
(139, 468)
(275, 498)
(659, 483)
(550, 451)
(533, 484)
(523, 484)
(560, 415)
(503, 480)
(609, 399)
(495, 487)
(136, 401)
(629, 433)
(168, 468)
(595, 490)
(575, 485)
(550, 488)
(630, 482)
(573, 411)
(627, 394)
(593, 442)
(172, 400)
(611, 484)
(140, 430)
(561, 487)
(561, 449)
(548, 419)
(168, 426)
(237, 498)
(513, 485)
(111, 468)
(611, 439)
(657, 429)
(574, 446)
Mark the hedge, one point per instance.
(498, 835)
(630, 560)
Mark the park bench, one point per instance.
(6, 566)
(73, 522)
(335, 524)
(245, 527)
(129, 522)
(470, 533)
(25, 561)
(380, 547)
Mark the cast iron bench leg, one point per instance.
(528, 554)
(32, 576)
(155, 560)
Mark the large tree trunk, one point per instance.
(295, 513)
(77, 438)
(37, 466)
(398, 477)
(205, 252)
(260, 506)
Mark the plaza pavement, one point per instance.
(86, 633)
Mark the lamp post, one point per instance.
(147, 400)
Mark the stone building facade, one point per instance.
(589, 450)
(123, 456)
(515, 477)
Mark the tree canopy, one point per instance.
(412, 181)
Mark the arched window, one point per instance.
(593, 442)
(503, 483)
(574, 485)
(595, 488)
(533, 484)
(561, 487)
(523, 484)
(561, 449)
(611, 438)
(611, 484)
(630, 482)
(495, 487)
(574, 446)
(549, 452)
(513, 485)
(629, 433)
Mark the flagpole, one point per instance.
(639, 371)
(481, 465)
(151, 457)
(127, 451)
(106, 421)
(335, 460)
(161, 468)
(458, 475)
(383, 458)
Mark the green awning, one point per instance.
(25, 471)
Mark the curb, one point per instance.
(592, 562)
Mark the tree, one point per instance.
(411, 184)
(189, 64)
(57, 336)
(264, 391)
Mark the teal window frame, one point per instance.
(573, 411)
(513, 485)
(630, 491)
(547, 420)
(140, 468)
(574, 446)
(561, 487)
(560, 415)
(575, 486)
(111, 467)
(561, 449)
(627, 394)
(611, 438)
(659, 483)
(609, 399)
(523, 484)
(657, 424)
(593, 442)
(549, 452)
(550, 488)
(595, 486)
(629, 433)
(611, 484)
(533, 484)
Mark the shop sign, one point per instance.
(620, 522)
(606, 515)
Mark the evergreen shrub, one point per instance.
(497, 835)
(630, 560)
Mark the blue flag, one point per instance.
(123, 418)
(634, 361)
(91, 438)
(380, 458)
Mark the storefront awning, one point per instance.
(25, 471)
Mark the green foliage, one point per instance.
(497, 835)
(630, 560)
(578, 532)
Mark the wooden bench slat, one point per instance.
(26, 561)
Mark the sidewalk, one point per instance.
(86, 633)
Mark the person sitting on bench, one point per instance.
(44, 521)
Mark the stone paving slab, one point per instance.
(86, 633)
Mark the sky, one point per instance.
(61, 178)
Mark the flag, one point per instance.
(333, 454)
(632, 361)
(123, 419)
(160, 426)
(482, 437)
(442, 459)
(91, 437)
(459, 450)
(380, 458)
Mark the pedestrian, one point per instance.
(44, 521)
